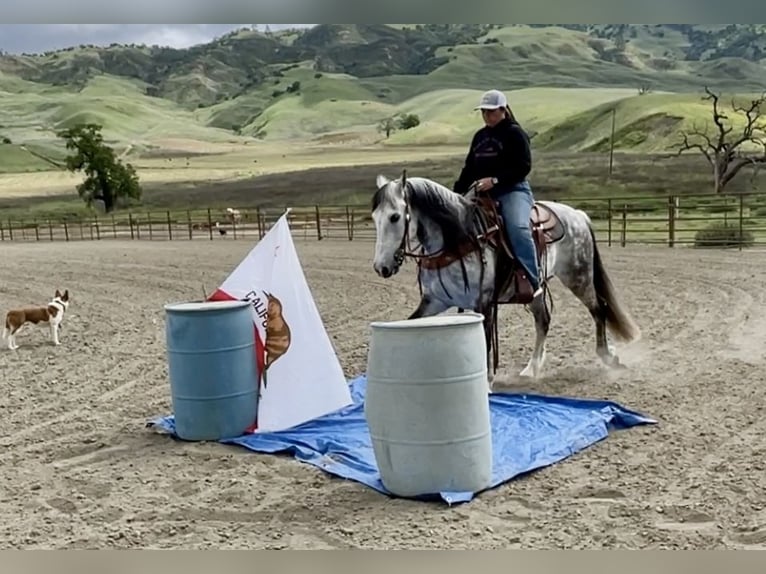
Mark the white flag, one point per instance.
(300, 375)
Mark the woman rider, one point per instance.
(498, 162)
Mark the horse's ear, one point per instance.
(381, 180)
(404, 177)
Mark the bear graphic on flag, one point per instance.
(300, 375)
(277, 330)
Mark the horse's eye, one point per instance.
(395, 217)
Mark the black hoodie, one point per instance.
(501, 151)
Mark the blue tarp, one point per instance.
(528, 432)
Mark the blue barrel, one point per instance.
(212, 368)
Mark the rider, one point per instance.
(498, 162)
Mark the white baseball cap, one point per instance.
(491, 100)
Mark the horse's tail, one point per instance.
(618, 319)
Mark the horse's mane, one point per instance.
(453, 217)
(454, 223)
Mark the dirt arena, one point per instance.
(80, 470)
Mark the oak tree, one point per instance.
(729, 149)
(107, 179)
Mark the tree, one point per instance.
(724, 149)
(645, 88)
(386, 125)
(107, 178)
(398, 122)
(408, 121)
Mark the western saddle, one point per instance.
(511, 283)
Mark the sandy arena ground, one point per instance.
(81, 471)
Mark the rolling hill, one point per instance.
(332, 84)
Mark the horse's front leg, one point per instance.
(428, 307)
(489, 318)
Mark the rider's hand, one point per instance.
(485, 184)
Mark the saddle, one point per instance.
(511, 283)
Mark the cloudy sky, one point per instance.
(31, 38)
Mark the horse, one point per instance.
(461, 262)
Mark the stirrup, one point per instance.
(537, 293)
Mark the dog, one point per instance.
(53, 314)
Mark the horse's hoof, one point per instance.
(614, 363)
(528, 373)
(490, 383)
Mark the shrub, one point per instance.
(408, 121)
(721, 234)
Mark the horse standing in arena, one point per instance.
(464, 260)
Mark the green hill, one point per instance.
(413, 57)
(335, 82)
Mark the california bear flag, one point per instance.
(300, 376)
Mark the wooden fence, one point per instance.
(668, 220)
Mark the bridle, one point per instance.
(433, 260)
(405, 249)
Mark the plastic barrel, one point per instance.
(427, 405)
(212, 368)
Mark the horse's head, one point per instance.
(391, 215)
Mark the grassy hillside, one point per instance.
(222, 104)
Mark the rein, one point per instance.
(485, 221)
(405, 248)
(437, 259)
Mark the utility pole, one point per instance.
(611, 143)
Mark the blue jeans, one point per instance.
(516, 207)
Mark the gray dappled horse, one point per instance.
(458, 259)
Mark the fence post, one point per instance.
(210, 224)
(170, 229)
(98, 228)
(319, 224)
(260, 222)
(90, 227)
(114, 226)
(349, 223)
(10, 229)
(149, 220)
(66, 231)
(37, 230)
(50, 229)
(189, 223)
(2, 232)
(671, 221)
(609, 221)
(82, 235)
(623, 238)
(741, 219)
(130, 222)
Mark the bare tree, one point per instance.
(387, 125)
(725, 150)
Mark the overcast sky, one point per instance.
(32, 38)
